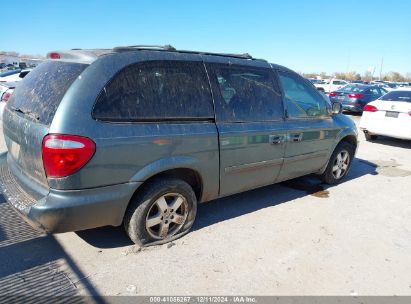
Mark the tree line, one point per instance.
(367, 76)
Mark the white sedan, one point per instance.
(6, 89)
(13, 76)
(390, 115)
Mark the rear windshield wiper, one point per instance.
(28, 113)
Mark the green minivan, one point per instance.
(138, 136)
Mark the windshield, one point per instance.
(352, 89)
(397, 96)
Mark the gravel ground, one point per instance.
(295, 238)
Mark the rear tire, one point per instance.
(339, 164)
(370, 137)
(164, 210)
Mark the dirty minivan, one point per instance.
(140, 135)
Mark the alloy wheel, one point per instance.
(167, 215)
(341, 163)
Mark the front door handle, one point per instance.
(296, 137)
(276, 139)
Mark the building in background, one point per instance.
(9, 58)
(23, 61)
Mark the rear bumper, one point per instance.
(396, 128)
(401, 135)
(67, 210)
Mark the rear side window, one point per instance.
(246, 94)
(352, 89)
(156, 90)
(41, 91)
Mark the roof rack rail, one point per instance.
(170, 48)
(166, 47)
(243, 56)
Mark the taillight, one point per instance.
(64, 155)
(409, 113)
(333, 94)
(358, 96)
(370, 108)
(54, 56)
(6, 96)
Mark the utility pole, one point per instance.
(382, 60)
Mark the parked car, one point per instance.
(390, 116)
(6, 89)
(354, 97)
(141, 135)
(402, 84)
(8, 73)
(316, 81)
(383, 85)
(22, 65)
(330, 85)
(13, 77)
(391, 85)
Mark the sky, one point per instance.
(304, 35)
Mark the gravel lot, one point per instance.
(296, 238)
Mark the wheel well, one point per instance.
(351, 139)
(190, 176)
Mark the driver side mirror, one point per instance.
(336, 108)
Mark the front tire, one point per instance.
(164, 210)
(339, 164)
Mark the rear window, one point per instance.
(156, 90)
(352, 89)
(397, 96)
(41, 91)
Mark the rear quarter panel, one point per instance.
(127, 152)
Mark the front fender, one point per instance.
(349, 129)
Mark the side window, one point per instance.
(156, 90)
(246, 94)
(302, 100)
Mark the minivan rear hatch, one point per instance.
(28, 115)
